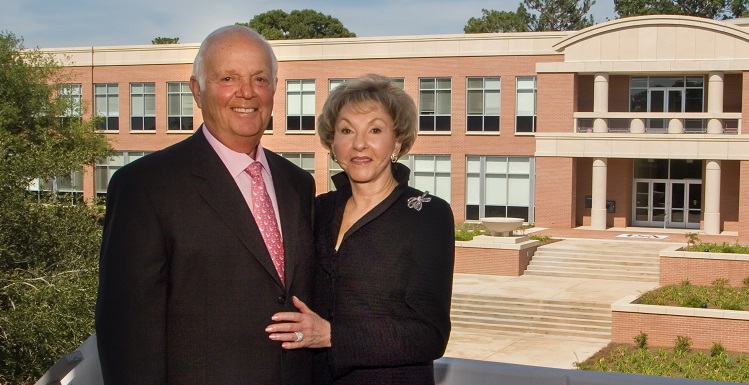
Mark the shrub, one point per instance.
(467, 231)
(641, 340)
(683, 344)
(717, 349)
(540, 238)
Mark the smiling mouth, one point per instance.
(244, 109)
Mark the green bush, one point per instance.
(641, 340)
(48, 284)
(719, 295)
(683, 344)
(467, 231)
(717, 349)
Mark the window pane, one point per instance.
(472, 190)
(443, 164)
(426, 84)
(496, 190)
(526, 104)
(426, 102)
(475, 105)
(526, 83)
(150, 105)
(293, 104)
(172, 87)
(101, 105)
(308, 85)
(519, 166)
(186, 105)
(638, 100)
(443, 102)
(113, 104)
(473, 164)
(518, 190)
(492, 84)
(477, 83)
(308, 104)
(173, 105)
(491, 104)
(442, 187)
(423, 163)
(496, 165)
(293, 86)
(137, 105)
(475, 123)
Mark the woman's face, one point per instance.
(363, 142)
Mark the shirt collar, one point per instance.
(235, 162)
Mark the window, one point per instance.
(71, 95)
(106, 167)
(334, 83)
(70, 183)
(430, 173)
(179, 106)
(142, 106)
(306, 161)
(668, 94)
(107, 105)
(482, 106)
(435, 104)
(300, 105)
(333, 168)
(397, 82)
(499, 186)
(525, 115)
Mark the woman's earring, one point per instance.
(393, 158)
(332, 156)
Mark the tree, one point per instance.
(560, 15)
(48, 251)
(499, 21)
(549, 15)
(165, 40)
(711, 9)
(304, 24)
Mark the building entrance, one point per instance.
(667, 193)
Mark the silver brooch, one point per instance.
(415, 202)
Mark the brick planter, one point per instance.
(664, 323)
(701, 268)
(482, 256)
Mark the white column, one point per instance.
(601, 101)
(598, 209)
(712, 197)
(715, 102)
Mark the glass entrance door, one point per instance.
(667, 203)
(685, 204)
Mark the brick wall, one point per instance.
(555, 192)
(662, 330)
(475, 260)
(674, 270)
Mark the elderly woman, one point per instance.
(384, 250)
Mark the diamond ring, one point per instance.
(299, 336)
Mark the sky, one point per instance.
(85, 23)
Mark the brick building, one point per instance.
(632, 122)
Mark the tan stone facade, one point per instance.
(590, 133)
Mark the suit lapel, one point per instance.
(217, 187)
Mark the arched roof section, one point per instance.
(656, 38)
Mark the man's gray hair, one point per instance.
(197, 66)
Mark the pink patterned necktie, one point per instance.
(265, 216)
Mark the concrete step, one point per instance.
(531, 315)
(578, 255)
(596, 262)
(597, 274)
(591, 264)
(525, 329)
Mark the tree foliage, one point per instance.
(711, 9)
(499, 21)
(165, 40)
(298, 24)
(48, 249)
(535, 15)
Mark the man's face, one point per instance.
(237, 94)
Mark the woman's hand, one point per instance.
(315, 331)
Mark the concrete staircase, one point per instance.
(588, 320)
(611, 260)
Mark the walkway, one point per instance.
(544, 350)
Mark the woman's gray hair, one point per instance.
(197, 66)
(366, 89)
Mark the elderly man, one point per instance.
(205, 240)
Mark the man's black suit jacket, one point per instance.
(187, 286)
